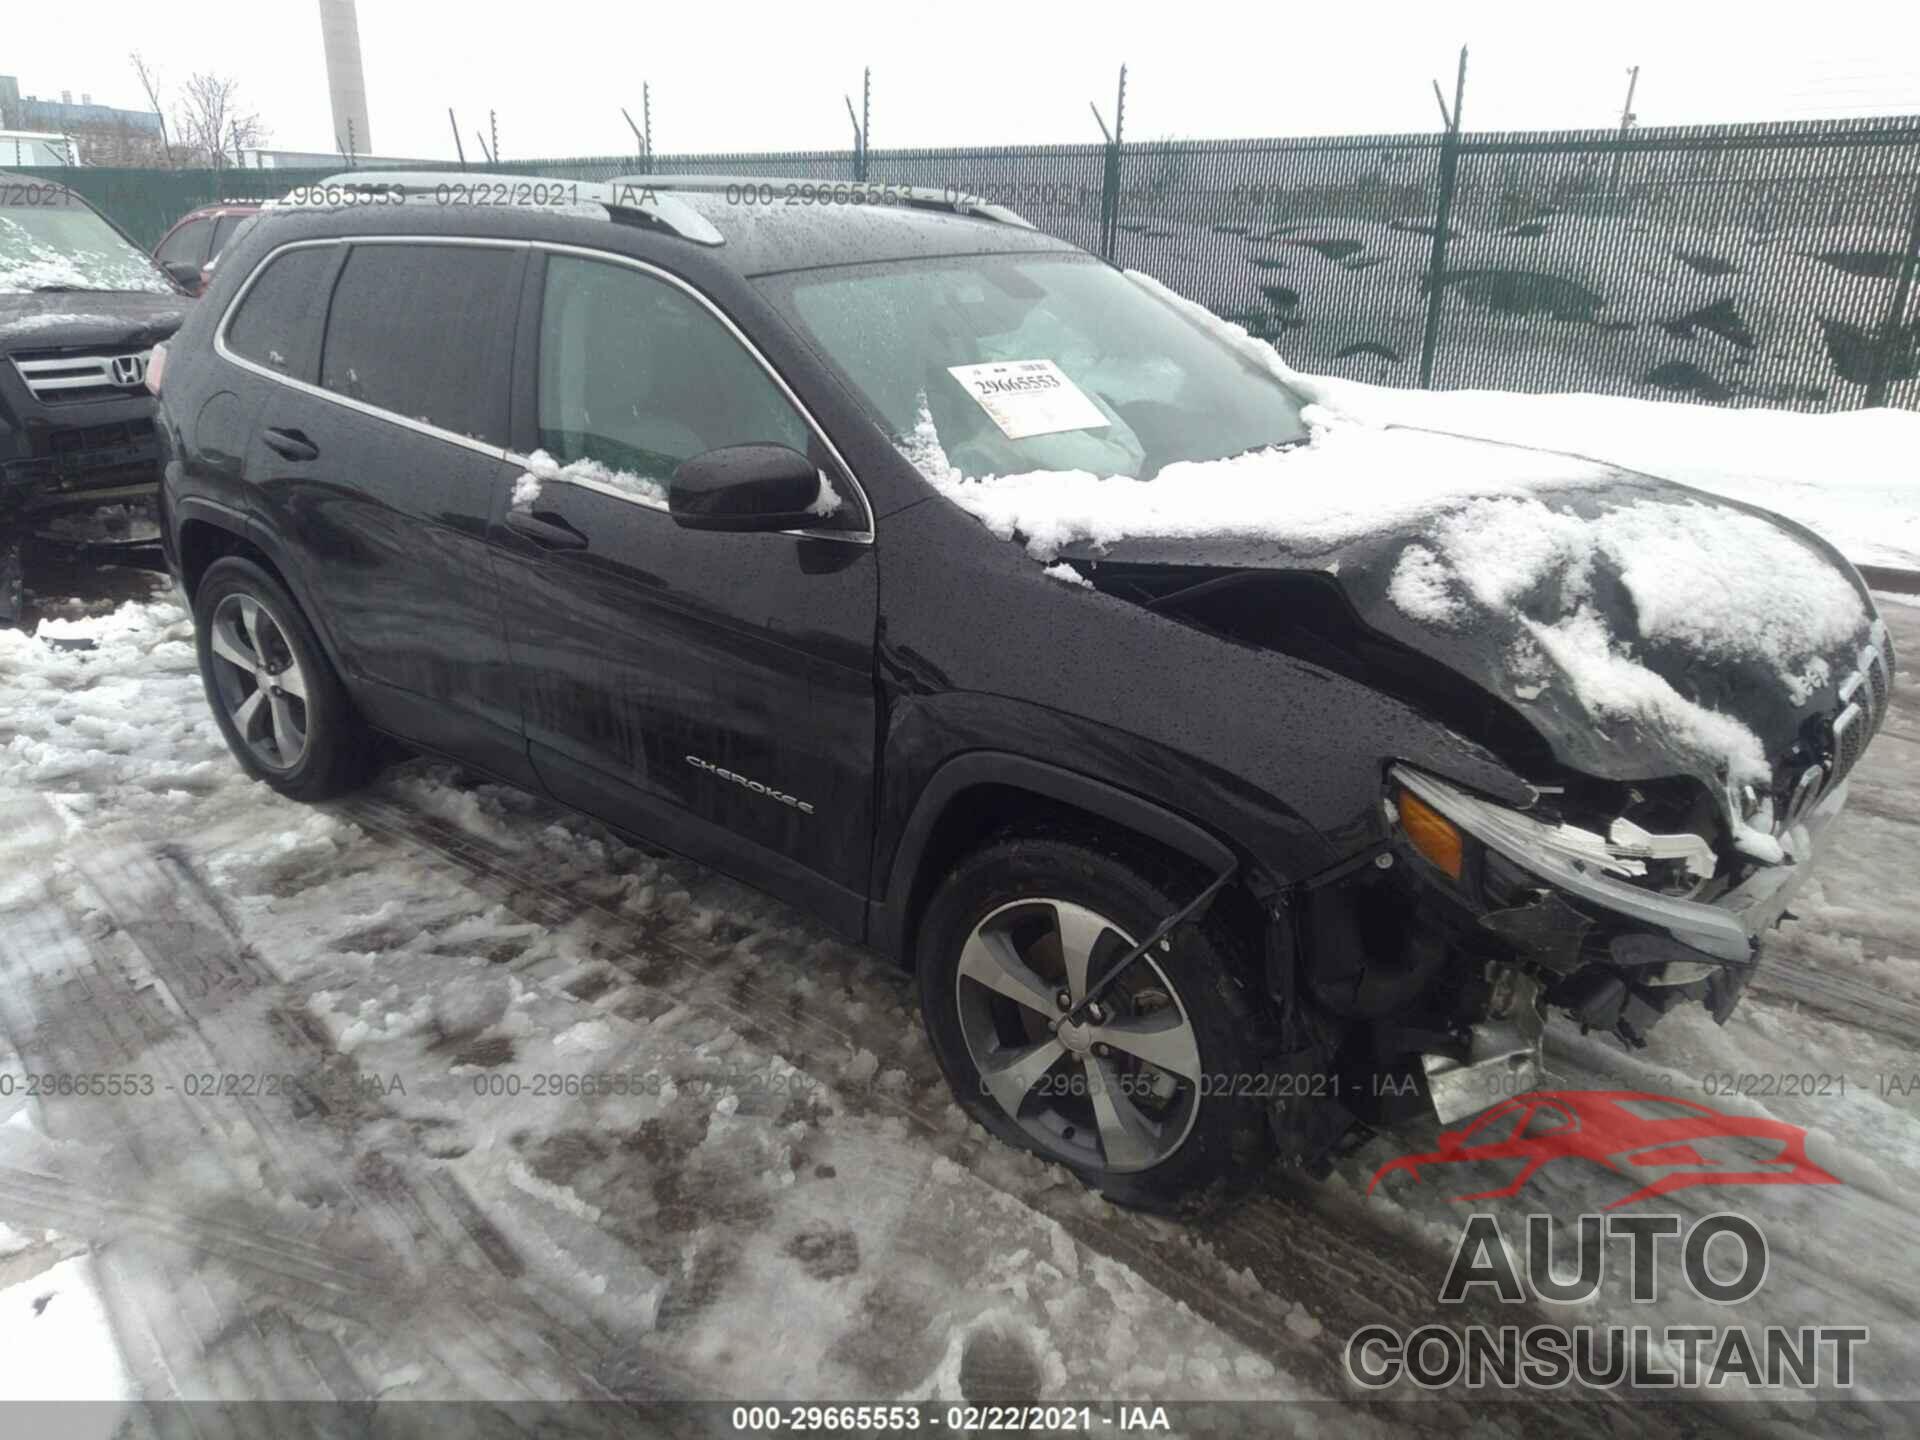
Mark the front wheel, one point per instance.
(1159, 1093)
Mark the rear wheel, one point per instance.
(1156, 1094)
(276, 697)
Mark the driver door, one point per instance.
(710, 691)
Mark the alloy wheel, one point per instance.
(1118, 1092)
(259, 680)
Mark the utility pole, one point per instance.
(1437, 263)
(458, 148)
(859, 123)
(1627, 119)
(1110, 174)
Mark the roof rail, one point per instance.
(470, 187)
(920, 197)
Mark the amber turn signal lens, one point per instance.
(1432, 833)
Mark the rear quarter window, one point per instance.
(279, 319)
(422, 331)
(223, 229)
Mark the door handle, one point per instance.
(290, 443)
(549, 532)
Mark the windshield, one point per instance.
(58, 243)
(1035, 363)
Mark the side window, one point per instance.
(186, 245)
(639, 376)
(223, 229)
(416, 329)
(278, 322)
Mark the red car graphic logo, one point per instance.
(1668, 1142)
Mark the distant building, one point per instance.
(21, 149)
(97, 134)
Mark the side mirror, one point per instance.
(185, 273)
(746, 487)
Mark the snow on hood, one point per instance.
(1346, 481)
(1499, 539)
(30, 322)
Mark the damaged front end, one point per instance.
(1612, 928)
(1430, 964)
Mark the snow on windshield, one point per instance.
(82, 254)
(1721, 585)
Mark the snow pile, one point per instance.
(828, 501)
(60, 1344)
(542, 467)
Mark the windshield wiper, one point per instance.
(1268, 445)
(63, 289)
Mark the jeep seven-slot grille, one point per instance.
(1864, 698)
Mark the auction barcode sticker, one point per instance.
(1028, 397)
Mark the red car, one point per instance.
(188, 250)
(1667, 1142)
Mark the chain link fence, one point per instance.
(1767, 264)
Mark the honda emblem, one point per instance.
(129, 369)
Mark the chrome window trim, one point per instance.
(501, 452)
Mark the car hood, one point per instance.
(88, 320)
(1630, 627)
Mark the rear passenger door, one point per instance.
(381, 467)
(712, 691)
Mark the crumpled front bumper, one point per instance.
(1723, 930)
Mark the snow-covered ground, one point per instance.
(442, 1092)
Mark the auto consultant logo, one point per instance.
(1723, 1259)
(1661, 1142)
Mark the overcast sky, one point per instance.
(729, 74)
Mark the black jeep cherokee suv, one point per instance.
(666, 505)
(81, 308)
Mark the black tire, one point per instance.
(1226, 1143)
(340, 752)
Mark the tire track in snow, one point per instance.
(211, 994)
(1843, 998)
